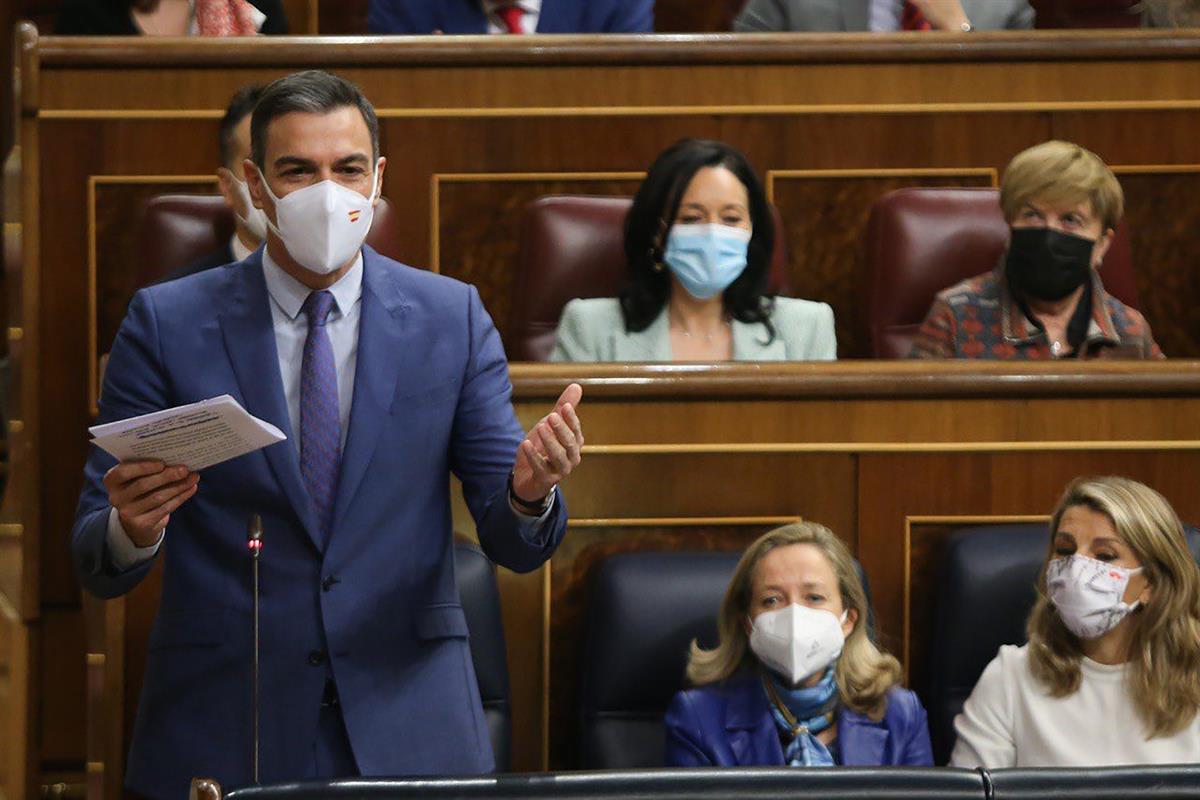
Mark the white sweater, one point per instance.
(1010, 720)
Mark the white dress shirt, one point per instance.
(291, 330)
(1011, 720)
(239, 250)
(885, 16)
(529, 20)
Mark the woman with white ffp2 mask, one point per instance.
(796, 669)
(1111, 673)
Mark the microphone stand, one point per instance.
(254, 541)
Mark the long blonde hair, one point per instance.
(864, 673)
(1164, 657)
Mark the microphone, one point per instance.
(254, 542)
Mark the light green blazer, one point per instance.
(594, 330)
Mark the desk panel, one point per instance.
(832, 119)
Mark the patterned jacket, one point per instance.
(979, 318)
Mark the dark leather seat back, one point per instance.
(574, 246)
(177, 229)
(1175, 782)
(645, 610)
(476, 579)
(753, 783)
(923, 240)
(984, 599)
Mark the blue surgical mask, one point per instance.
(706, 258)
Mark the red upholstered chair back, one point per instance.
(921, 241)
(178, 229)
(574, 246)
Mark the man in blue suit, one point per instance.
(509, 16)
(385, 379)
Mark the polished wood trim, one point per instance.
(93, 398)
(15, 426)
(11, 530)
(438, 178)
(16, 334)
(1155, 169)
(774, 175)
(520, 112)
(612, 49)
(676, 522)
(25, 73)
(955, 520)
(860, 379)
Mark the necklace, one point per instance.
(682, 329)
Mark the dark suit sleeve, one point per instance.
(633, 16)
(484, 446)
(93, 18)
(276, 22)
(390, 16)
(134, 383)
(683, 748)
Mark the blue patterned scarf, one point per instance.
(811, 710)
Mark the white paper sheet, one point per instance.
(198, 435)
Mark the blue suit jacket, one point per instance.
(431, 396)
(730, 725)
(467, 16)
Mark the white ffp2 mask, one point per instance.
(1089, 595)
(797, 641)
(255, 219)
(323, 225)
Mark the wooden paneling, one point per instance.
(477, 219)
(825, 213)
(14, 703)
(1162, 211)
(696, 445)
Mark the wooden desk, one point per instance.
(476, 127)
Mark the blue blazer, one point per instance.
(467, 16)
(730, 725)
(378, 606)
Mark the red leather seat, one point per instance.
(921, 241)
(574, 246)
(178, 229)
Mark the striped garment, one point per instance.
(979, 318)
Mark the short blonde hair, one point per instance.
(1061, 173)
(1164, 659)
(864, 673)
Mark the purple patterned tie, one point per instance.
(320, 430)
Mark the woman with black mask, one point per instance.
(1045, 298)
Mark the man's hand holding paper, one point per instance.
(144, 493)
(161, 453)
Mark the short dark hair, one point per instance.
(241, 105)
(313, 91)
(652, 214)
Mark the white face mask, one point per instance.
(255, 219)
(797, 641)
(1088, 594)
(323, 225)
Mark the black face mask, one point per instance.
(1046, 264)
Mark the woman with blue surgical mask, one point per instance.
(699, 239)
(795, 680)
(1111, 673)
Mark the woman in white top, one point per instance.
(1111, 673)
(698, 244)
